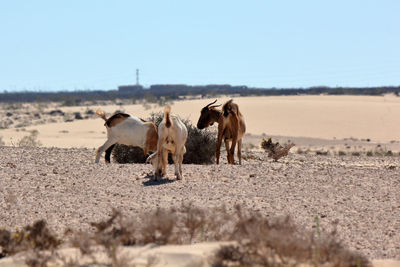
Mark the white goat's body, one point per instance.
(127, 130)
(130, 132)
(172, 136)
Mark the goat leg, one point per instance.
(103, 148)
(232, 149)
(239, 151)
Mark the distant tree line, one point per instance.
(174, 91)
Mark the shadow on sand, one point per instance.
(151, 182)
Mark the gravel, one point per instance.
(68, 190)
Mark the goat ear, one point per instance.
(211, 124)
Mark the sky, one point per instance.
(98, 44)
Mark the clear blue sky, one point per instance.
(83, 44)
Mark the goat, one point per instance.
(231, 127)
(172, 136)
(127, 130)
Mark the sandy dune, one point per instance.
(322, 117)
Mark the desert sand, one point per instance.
(319, 117)
(60, 183)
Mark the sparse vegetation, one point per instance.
(2, 143)
(36, 239)
(200, 146)
(30, 140)
(259, 241)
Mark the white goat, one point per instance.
(127, 130)
(172, 136)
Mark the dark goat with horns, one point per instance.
(231, 127)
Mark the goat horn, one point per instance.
(215, 106)
(211, 103)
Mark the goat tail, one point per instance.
(101, 114)
(167, 119)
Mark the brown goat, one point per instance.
(231, 127)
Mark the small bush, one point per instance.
(128, 154)
(30, 140)
(389, 153)
(36, 238)
(200, 146)
(341, 153)
(301, 151)
(321, 153)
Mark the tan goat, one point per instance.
(231, 127)
(172, 136)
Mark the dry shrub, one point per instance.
(276, 150)
(30, 140)
(36, 239)
(264, 242)
(200, 146)
(159, 227)
(128, 154)
(278, 242)
(260, 241)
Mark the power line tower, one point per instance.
(137, 77)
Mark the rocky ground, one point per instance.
(65, 187)
(20, 115)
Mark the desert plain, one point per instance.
(345, 167)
